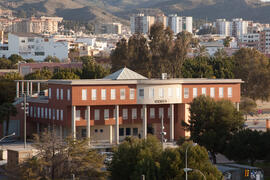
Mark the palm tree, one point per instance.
(7, 110)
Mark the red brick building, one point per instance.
(119, 105)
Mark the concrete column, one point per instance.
(27, 88)
(88, 124)
(18, 89)
(172, 122)
(111, 134)
(22, 87)
(31, 88)
(117, 124)
(38, 128)
(144, 128)
(61, 131)
(38, 87)
(73, 121)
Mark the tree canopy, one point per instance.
(51, 59)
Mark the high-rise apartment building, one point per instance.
(238, 27)
(141, 23)
(175, 23)
(187, 24)
(223, 27)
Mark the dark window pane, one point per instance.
(135, 131)
(127, 131)
(121, 131)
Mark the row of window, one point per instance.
(124, 114)
(161, 92)
(46, 113)
(122, 131)
(212, 92)
(103, 93)
(59, 94)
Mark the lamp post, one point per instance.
(13, 134)
(186, 169)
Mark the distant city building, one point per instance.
(239, 27)
(141, 23)
(175, 23)
(223, 27)
(5, 13)
(162, 19)
(187, 24)
(109, 28)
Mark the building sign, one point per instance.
(161, 101)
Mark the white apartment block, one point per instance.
(175, 23)
(223, 27)
(238, 27)
(187, 24)
(34, 46)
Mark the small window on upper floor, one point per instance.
(141, 93)
(113, 94)
(57, 94)
(151, 92)
(195, 94)
(97, 114)
(170, 92)
(84, 94)
(68, 94)
(186, 92)
(220, 92)
(122, 94)
(125, 114)
(106, 114)
(131, 93)
(50, 93)
(94, 94)
(152, 113)
(204, 91)
(212, 92)
(61, 94)
(229, 91)
(103, 94)
(161, 92)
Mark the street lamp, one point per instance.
(188, 169)
(13, 134)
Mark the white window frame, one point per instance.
(170, 92)
(161, 92)
(94, 94)
(230, 92)
(131, 93)
(152, 113)
(204, 91)
(78, 115)
(134, 113)
(212, 92)
(68, 94)
(186, 93)
(103, 94)
(97, 114)
(125, 114)
(106, 114)
(113, 94)
(122, 94)
(84, 94)
(61, 114)
(61, 94)
(151, 93)
(160, 112)
(57, 93)
(195, 92)
(221, 92)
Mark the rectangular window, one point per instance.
(45, 113)
(212, 92)
(141, 93)
(178, 92)
(169, 92)
(68, 94)
(57, 94)
(169, 112)
(135, 132)
(42, 112)
(85, 114)
(84, 94)
(134, 113)
(121, 131)
(151, 92)
(160, 112)
(61, 114)
(142, 113)
(125, 114)
(57, 114)
(96, 114)
(94, 94)
(31, 111)
(131, 93)
(220, 92)
(103, 94)
(186, 92)
(38, 112)
(53, 114)
(78, 115)
(50, 93)
(229, 91)
(152, 113)
(161, 92)
(204, 91)
(34, 111)
(128, 131)
(50, 113)
(61, 94)
(106, 114)
(195, 92)
(113, 94)
(122, 94)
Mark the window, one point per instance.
(61, 94)
(125, 114)
(161, 92)
(229, 91)
(141, 93)
(195, 92)
(135, 132)
(186, 92)
(169, 112)
(122, 94)
(68, 94)
(34, 111)
(39, 53)
(94, 94)
(220, 92)
(42, 112)
(131, 93)
(121, 131)
(204, 91)
(212, 92)
(101, 130)
(106, 114)
(178, 92)
(31, 111)
(160, 112)
(53, 113)
(57, 94)
(128, 132)
(142, 113)
(96, 131)
(151, 92)
(78, 115)
(96, 114)
(103, 94)
(50, 93)
(134, 113)
(38, 112)
(83, 132)
(113, 94)
(169, 92)
(61, 114)
(57, 114)
(50, 113)
(85, 114)
(45, 113)
(84, 94)
(152, 112)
